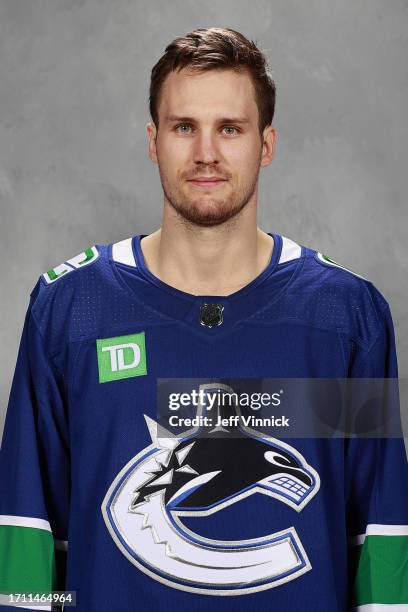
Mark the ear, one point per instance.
(152, 135)
(268, 145)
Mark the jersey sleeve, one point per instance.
(34, 475)
(376, 471)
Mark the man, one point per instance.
(236, 520)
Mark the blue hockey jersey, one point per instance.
(93, 500)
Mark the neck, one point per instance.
(208, 260)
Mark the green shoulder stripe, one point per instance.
(79, 261)
(325, 259)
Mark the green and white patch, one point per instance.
(327, 260)
(79, 261)
(121, 357)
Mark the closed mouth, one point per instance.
(207, 181)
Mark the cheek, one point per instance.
(173, 147)
(243, 166)
(174, 158)
(243, 157)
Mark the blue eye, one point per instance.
(188, 126)
(182, 125)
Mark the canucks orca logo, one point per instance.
(196, 476)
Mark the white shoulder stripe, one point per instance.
(376, 529)
(24, 521)
(290, 250)
(122, 252)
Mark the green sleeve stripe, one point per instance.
(27, 560)
(379, 570)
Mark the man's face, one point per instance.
(208, 129)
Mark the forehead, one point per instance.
(218, 91)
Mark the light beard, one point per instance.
(209, 213)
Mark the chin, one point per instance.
(208, 216)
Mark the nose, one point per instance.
(205, 148)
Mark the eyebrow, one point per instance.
(171, 118)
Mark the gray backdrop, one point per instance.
(74, 170)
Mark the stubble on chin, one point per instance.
(206, 212)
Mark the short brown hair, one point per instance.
(216, 49)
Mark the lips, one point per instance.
(207, 181)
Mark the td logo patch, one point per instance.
(121, 357)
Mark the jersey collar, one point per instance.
(130, 268)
